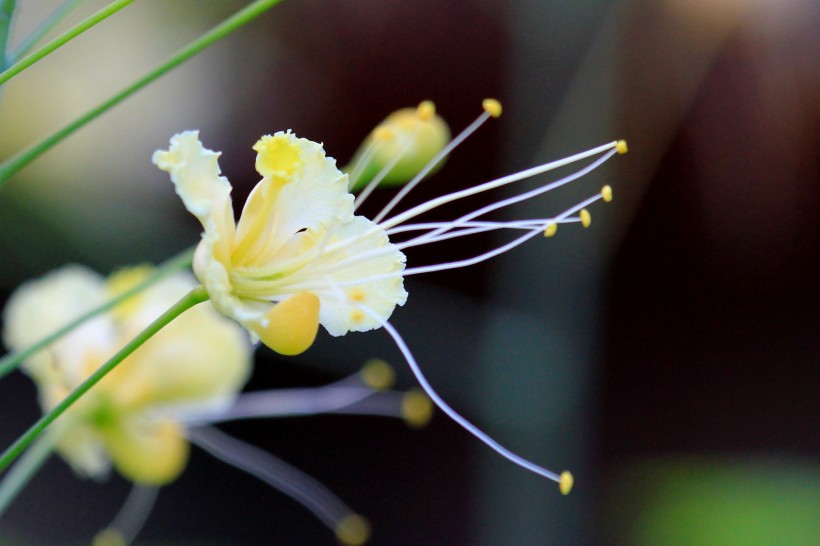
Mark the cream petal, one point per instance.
(206, 194)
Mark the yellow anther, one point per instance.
(292, 324)
(426, 110)
(109, 537)
(416, 408)
(550, 230)
(356, 294)
(566, 482)
(620, 146)
(606, 193)
(492, 107)
(377, 374)
(586, 219)
(383, 133)
(353, 530)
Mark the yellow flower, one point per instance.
(299, 257)
(279, 271)
(199, 359)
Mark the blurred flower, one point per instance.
(199, 359)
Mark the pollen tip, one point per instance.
(109, 537)
(426, 110)
(566, 482)
(586, 218)
(416, 408)
(606, 193)
(492, 107)
(550, 230)
(377, 374)
(352, 530)
(621, 147)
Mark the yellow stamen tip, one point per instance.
(550, 230)
(378, 374)
(566, 482)
(353, 530)
(586, 219)
(492, 107)
(416, 408)
(606, 193)
(621, 147)
(426, 110)
(109, 537)
(292, 324)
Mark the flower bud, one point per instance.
(400, 147)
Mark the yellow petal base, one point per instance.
(292, 324)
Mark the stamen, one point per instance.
(492, 107)
(586, 219)
(377, 374)
(566, 482)
(379, 139)
(348, 526)
(606, 193)
(131, 518)
(621, 147)
(416, 408)
(550, 230)
(472, 429)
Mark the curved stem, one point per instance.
(194, 297)
(227, 26)
(62, 39)
(12, 361)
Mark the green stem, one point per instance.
(237, 20)
(63, 38)
(11, 361)
(42, 29)
(194, 297)
(6, 12)
(25, 469)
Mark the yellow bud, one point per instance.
(292, 324)
(565, 485)
(413, 135)
(353, 530)
(148, 452)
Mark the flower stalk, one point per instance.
(196, 296)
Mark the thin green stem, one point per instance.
(6, 12)
(42, 29)
(63, 38)
(25, 469)
(234, 22)
(194, 297)
(12, 361)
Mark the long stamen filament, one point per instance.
(455, 416)
(373, 184)
(286, 478)
(131, 518)
(461, 137)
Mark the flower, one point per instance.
(279, 270)
(200, 359)
(299, 257)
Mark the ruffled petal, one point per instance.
(206, 194)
